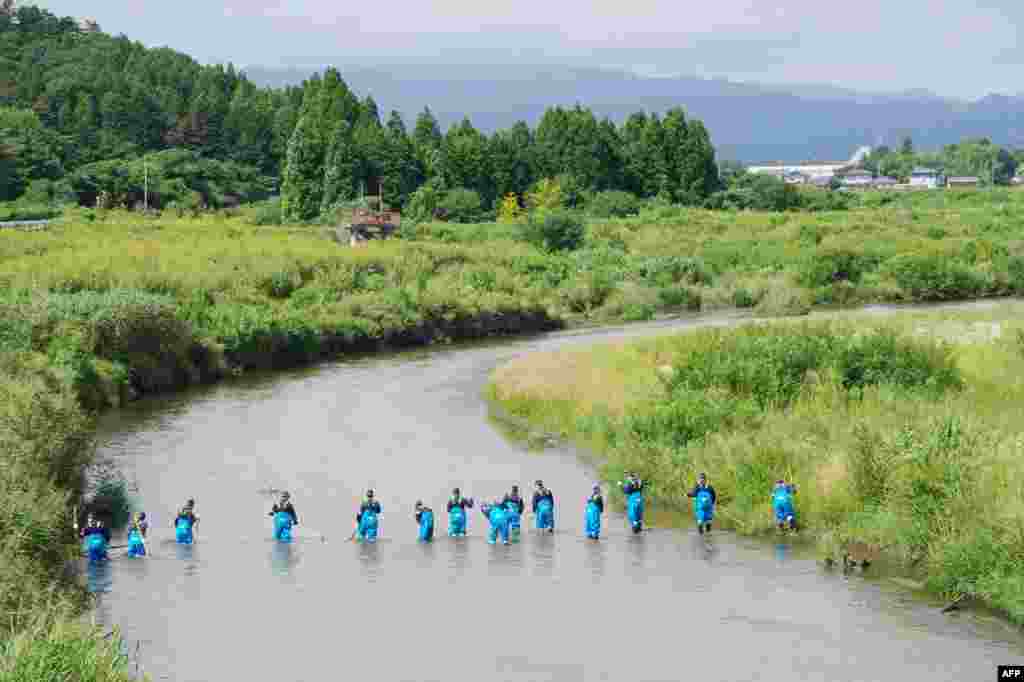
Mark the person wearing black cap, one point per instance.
(703, 503)
(544, 508)
(366, 518)
(185, 523)
(284, 517)
(285, 506)
(457, 517)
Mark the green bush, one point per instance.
(613, 204)
(934, 277)
(680, 297)
(461, 205)
(554, 231)
(828, 266)
(268, 213)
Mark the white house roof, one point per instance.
(964, 178)
(924, 171)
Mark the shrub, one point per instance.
(828, 266)
(680, 297)
(268, 213)
(613, 204)
(554, 231)
(934, 277)
(461, 205)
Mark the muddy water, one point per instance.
(662, 606)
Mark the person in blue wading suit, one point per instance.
(544, 508)
(185, 523)
(284, 518)
(137, 535)
(366, 518)
(592, 518)
(425, 518)
(782, 505)
(457, 519)
(495, 514)
(704, 499)
(96, 539)
(514, 508)
(633, 489)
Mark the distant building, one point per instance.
(88, 26)
(858, 178)
(795, 178)
(813, 169)
(963, 181)
(925, 178)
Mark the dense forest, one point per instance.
(89, 117)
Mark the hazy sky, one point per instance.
(965, 48)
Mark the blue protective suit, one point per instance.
(368, 525)
(183, 530)
(782, 504)
(136, 544)
(633, 490)
(703, 506)
(513, 516)
(545, 514)
(283, 522)
(592, 519)
(425, 517)
(96, 545)
(457, 521)
(498, 519)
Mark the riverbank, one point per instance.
(904, 434)
(103, 307)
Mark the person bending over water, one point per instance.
(544, 508)
(704, 499)
(782, 505)
(495, 513)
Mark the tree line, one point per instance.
(87, 116)
(980, 158)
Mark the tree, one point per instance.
(907, 146)
(340, 169)
(302, 184)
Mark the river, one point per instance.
(661, 606)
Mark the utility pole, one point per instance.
(145, 191)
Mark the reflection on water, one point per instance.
(98, 576)
(596, 553)
(283, 559)
(369, 560)
(780, 552)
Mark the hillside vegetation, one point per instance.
(904, 435)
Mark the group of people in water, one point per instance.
(504, 516)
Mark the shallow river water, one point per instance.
(661, 606)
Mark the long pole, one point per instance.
(145, 191)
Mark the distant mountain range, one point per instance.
(749, 122)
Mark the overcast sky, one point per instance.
(964, 48)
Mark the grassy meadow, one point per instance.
(904, 433)
(103, 306)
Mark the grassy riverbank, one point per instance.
(905, 434)
(103, 306)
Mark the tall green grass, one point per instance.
(905, 437)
